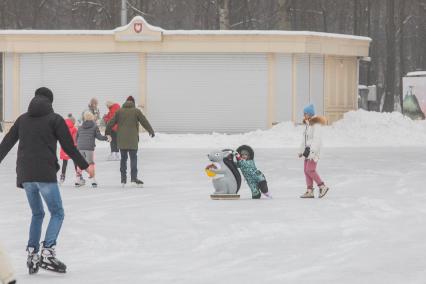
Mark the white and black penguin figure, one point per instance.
(226, 177)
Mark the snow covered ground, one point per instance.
(370, 228)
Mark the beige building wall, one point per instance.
(340, 63)
(341, 82)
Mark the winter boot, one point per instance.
(137, 183)
(268, 195)
(93, 182)
(33, 260)
(308, 194)
(256, 195)
(62, 179)
(323, 189)
(49, 261)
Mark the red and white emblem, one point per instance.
(137, 27)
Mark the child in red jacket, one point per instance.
(70, 121)
(112, 107)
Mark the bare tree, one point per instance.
(390, 58)
(224, 14)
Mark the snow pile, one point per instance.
(282, 135)
(372, 129)
(357, 129)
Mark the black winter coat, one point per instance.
(38, 132)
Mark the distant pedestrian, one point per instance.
(128, 119)
(94, 109)
(112, 107)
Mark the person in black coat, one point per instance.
(38, 131)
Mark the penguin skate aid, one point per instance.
(226, 177)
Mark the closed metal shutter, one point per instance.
(302, 88)
(75, 78)
(8, 87)
(317, 83)
(202, 93)
(310, 83)
(284, 99)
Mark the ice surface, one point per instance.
(370, 228)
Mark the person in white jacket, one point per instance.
(310, 149)
(6, 271)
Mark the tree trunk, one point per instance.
(390, 58)
(284, 17)
(224, 15)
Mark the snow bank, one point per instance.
(357, 129)
(372, 129)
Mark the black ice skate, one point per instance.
(49, 261)
(137, 183)
(62, 180)
(33, 260)
(80, 181)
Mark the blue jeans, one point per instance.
(52, 197)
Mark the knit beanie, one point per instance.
(130, 98)
(310, 110)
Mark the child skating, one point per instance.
(255, 179)
(310, 149)
(70, 122)
(87, 133)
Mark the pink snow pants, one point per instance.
(311, 174)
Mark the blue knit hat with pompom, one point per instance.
(310, 110)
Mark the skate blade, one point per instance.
(137, 185)
(225, 196)
(32, 269)
(48, 268)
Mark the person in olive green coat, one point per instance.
(128, 119)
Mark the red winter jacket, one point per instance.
(112, 110)
(73, 131)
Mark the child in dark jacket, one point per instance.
(87, 133)
(255, 179)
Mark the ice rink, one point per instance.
(370, 228)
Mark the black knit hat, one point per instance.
(247, 149)
(45, 92)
